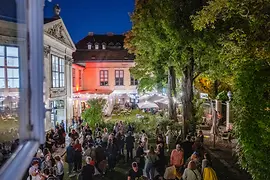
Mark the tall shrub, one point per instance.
(94, 113)
(252, 122)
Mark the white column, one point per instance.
(228, 115)
(218, 106)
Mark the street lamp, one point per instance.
(229, 94)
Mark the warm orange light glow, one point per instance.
(77, 87)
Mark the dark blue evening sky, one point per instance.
(98, 16)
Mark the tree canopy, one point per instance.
(243, 28)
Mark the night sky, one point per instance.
(98, 16)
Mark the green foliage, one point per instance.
(244, 36)
(251, 100)
(94, 114)
(222, 96)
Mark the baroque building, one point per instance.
(105, 71)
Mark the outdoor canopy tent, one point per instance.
(146, 105)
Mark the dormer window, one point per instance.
(103, 45)
(89, 46)
(111, 44)
(118, 45)
(96, 46)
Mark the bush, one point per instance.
(94, 114)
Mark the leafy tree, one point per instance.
(244, 36)
(94, 113)
(162, 32)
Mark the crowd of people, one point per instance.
(101, 149)
(6, 149)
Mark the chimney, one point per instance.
(109, 34)
(90, 33)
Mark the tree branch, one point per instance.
(196, 76)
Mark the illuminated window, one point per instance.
(133, 81)
(89, 46)
(103, 45)
(73, 77)
(9, 67)
(96, 46)
(119, 77)
(58, 72)
(80, 78)
(103, 76)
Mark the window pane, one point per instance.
(2, 83)
(13, 73)
(13, 61)
(2, 50)
(2, 61)
(13, 83)
(121, 73)
(2, 73)
(13, 51)
(116, 73)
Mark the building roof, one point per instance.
(48, 20)
(114, 51)
(102, 55)
(117, 41)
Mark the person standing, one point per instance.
(70, 157)
(151, 159)
(191, 172)
(78, 155)
(112, 153)
(129, 145)
(140, 155)
(59, 168)
(88, 170)
(177, 158)
(187, 147)
(168, 136)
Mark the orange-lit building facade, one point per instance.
(102, 69)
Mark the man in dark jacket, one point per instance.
(129, 145)
(88, 170)
(140, 155)
(187, 146)
(70, 157)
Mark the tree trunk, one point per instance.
(216, 84)
(187, 96)
(172, 93)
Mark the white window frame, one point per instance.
(31, 109)
(133, 81)
(104, 77)
(58, 72)
(119, 77)
(7, 67)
